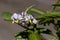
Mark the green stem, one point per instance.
(29, 8)
(55, 6)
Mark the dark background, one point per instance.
(7, 30)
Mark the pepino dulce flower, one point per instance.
(24, 18)
(14, 17)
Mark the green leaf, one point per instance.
(38, 11)
(49, 15)
(45, 21)
(42, 29)
(21, 36)
(6, 16)
(46, 31)
(34, 36)
(29, 8)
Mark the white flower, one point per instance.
(20, 17)
(24, 17)
(27, 18)
(31, 17)
(23, 13)
(35, 21)
(14, 16)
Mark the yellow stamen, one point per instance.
(17, 21)
(30, 21)
(12, 22)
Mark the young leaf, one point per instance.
(6, 16)
(34, 36)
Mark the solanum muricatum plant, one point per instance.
(26, 20)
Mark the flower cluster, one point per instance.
(23, 17)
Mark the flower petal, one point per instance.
(15, 15)
(35, 21)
